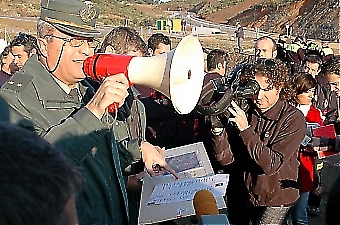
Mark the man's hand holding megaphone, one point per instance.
(112, 89)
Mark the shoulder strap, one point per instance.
(16, 84)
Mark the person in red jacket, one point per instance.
(304, 85)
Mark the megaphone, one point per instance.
(177, 74)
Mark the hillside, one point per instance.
(317, 19)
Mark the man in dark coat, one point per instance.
(51, 97)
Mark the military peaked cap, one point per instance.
(71, 16)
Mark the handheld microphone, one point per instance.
(204, 203)
(206, 209)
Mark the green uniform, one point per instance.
(32, 99)
(129, 132)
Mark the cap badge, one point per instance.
(88, 12)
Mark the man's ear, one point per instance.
(275, 54)
(219, 66)
(34, 51)
(42, 45)
(110, 49)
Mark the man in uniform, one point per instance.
(51, 97)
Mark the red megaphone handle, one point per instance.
(114, 106)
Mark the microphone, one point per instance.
(206, 209)
(205, 203)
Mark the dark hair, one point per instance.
(123, 39)
(312, 59)
(215, 57)
(332, 66)
(302, 82)
(275, 70)
(155, 39)
(36, 180)
(266, 38)
(28, 41)
(5, 53)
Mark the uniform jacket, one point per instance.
(33, 100)
(267, 152)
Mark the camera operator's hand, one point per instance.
(113, 89)
(215, 122)
(216, 125)
(240, 118)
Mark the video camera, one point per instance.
(218, 93)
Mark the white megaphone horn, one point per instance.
(177, 74)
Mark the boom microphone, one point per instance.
(206, 209)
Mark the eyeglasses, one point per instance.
(266, 62)
(77, 42)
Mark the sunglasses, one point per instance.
(265, 62)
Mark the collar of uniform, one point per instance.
(274, 112)
(135, 92)
(46, 84)
(64, 86)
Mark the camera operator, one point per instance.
(259, 148)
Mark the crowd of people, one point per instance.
(52, 112)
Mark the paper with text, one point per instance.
(185, 190)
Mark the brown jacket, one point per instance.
(267, 152)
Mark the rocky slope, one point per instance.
(317, 19)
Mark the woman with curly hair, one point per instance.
(259, 148)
